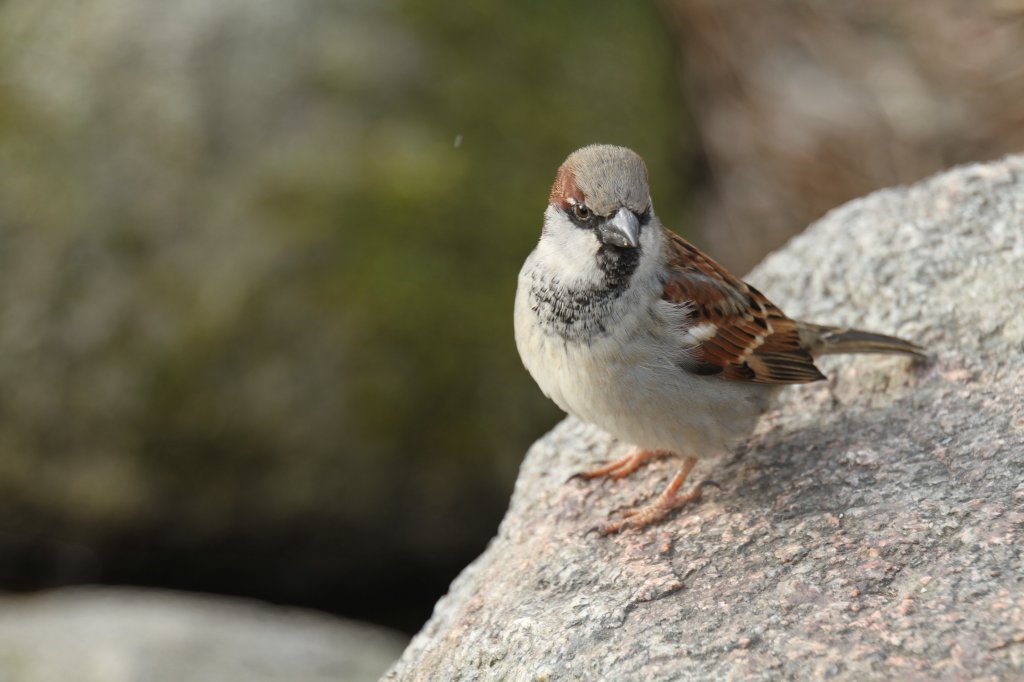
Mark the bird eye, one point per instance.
(581, 211)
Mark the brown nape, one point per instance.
(565, 188)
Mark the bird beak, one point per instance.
(623, 229)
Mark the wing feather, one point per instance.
(744, 336)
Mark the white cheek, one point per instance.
(568, 250)
(650, 235)
(652, 244)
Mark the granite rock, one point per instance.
(870, 528)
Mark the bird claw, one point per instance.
(623, 467)
(641, 517)
(627, 512)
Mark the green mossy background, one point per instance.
(257, 262)
(257, 258)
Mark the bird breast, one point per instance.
(616, 362)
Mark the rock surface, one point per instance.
(129, 635)
(871, 527)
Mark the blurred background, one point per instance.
(257, 258)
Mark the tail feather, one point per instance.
(825, 340)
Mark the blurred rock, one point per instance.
(130, 635)
(254, 303)
(802, 105)
(871, 528)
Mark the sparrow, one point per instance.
(626, 325)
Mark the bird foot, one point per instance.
(621, 468)
(667, 501)
(641, 517)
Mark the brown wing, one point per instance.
(741, 334)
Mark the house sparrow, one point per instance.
(628, 326)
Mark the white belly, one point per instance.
(629, 383)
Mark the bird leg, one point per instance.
(621, 468)
(640, 517)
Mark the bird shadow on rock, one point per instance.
(828, 498)
(778, 474)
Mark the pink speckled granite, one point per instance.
(872, 527)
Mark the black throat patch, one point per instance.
(581, 313)
(617, 264)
